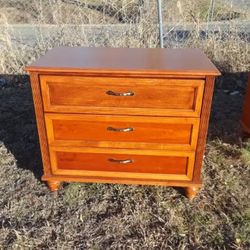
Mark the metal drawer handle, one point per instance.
(110, 92)
(127, 161)
(120, 129)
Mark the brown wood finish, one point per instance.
(188, 62)
(168, 110)
(174, 97)
(53, 185)
(145, 163)
(113, 131)
(191, 192)
(120, 74)
(118, 180)
(101, 162)
(37, 99)
(205, 114)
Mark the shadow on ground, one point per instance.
(227, 107)
(17, 122)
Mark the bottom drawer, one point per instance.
(162, 165)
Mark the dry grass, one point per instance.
(137, 22)
(102, 216)
(245, 153)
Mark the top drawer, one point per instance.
(133, 96)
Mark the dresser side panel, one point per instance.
(116, 180)
(204, 122)
(37, 99)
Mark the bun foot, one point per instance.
(191, 192)
(53, 185)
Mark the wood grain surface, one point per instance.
(38, 105)
(138, 60)
(153, 164)
(175, 97)
(120, 180)
(205, 115)
(122, 131)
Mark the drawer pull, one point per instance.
(120, 129)
(127, 161)
(110, 92)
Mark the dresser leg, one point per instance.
(191, 192)
(53, 185)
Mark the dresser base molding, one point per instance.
(190, 188)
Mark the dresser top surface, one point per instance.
(125, 60)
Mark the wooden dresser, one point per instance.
(134, 116)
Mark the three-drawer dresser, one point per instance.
(119, 115)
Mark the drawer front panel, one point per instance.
(174, 97)
(122, 131)
(122, 163)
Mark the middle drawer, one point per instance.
(122, 131)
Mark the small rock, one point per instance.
(235, 92)
(238, 240)
(3, 82)
(240, 83)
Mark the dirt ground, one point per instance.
(104, 216)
